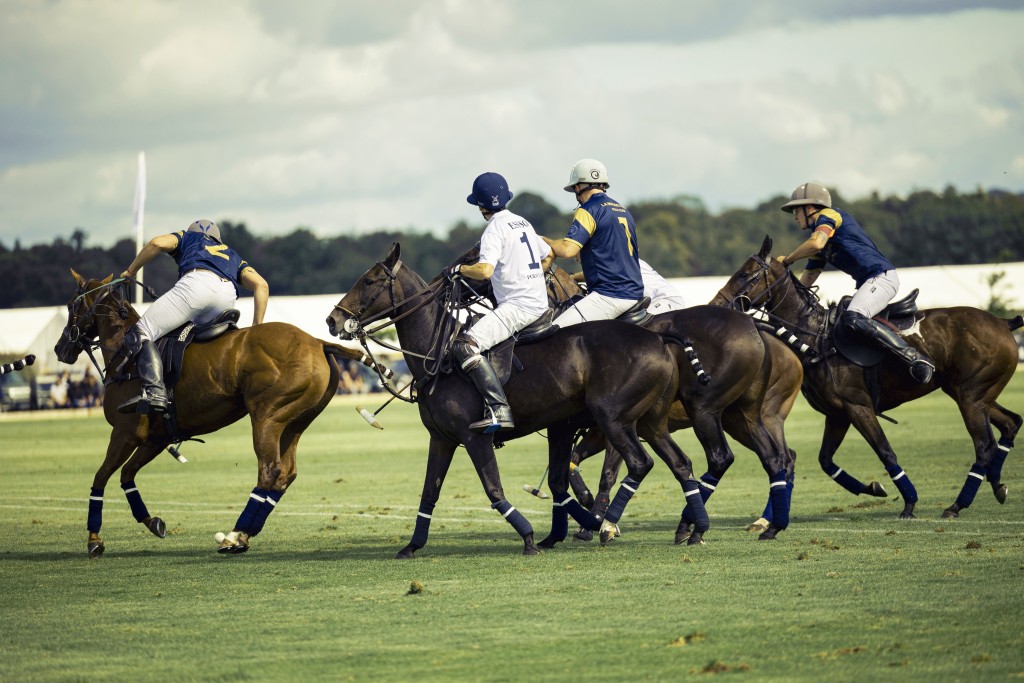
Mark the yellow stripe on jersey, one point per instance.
(583, 217)
(834, 220)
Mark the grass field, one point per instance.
(847, 593)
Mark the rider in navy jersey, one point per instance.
(838, 239)
(209, 273)
(603, 233)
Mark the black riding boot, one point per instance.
(921, 366)
(151, 372)
(497, 414)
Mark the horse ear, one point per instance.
(107, 279)
(392, 258)
(78, 278)
(766, 247)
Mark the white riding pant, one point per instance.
(594, 306)
(664, 304)
(499, 324)
(199, 296)
(875, 294)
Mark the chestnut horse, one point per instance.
(275, 373)
(623, 377)
(767, 401)
(975, 356)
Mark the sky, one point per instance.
(354, 116)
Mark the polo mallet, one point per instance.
(536, 491)
(371, 418)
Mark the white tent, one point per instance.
(36, 330)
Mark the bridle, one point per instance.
(72, 333)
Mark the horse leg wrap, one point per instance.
(139, 510)
(995, 468)
(423, 517)
(707, 487)
(851, 484)
(695, 504)
(95, 510)
(626, 490)
(778, 498)
(903, 483)
(260, 518)
(515, 518)
(970, 489)
(560, 518)
(769, 509)
(256, 500)
(585, 518)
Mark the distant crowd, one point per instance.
(67, 393)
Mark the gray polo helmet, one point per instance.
(206, 227)
(808, 194)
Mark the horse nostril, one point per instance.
(330, 325)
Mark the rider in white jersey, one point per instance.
(514, 258)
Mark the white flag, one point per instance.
(138, 210)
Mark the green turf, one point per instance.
(847, 593)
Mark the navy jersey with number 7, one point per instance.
(606, 233)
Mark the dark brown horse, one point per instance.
(275, 373)
(623, 377)
(975, 356)
(764, 406)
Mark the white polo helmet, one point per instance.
(590, 171)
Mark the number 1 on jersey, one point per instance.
(533, 259)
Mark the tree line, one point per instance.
(679, 237)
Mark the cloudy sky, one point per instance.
(351, 116)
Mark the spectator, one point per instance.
(59, 391)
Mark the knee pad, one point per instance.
(132, 342)
(856, 323)
(466, 352)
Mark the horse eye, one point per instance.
(368, 281)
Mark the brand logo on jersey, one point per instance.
(218, 250)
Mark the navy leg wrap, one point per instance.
(903, 483)
(260, 518)
(970, 489)
(851, 484)
(626, 490)
(423, 517)
(252, 507)
(695, 504)
(995, 468)
(514, 517)
(139, 510)
(583, 517)
(95, 510)
(707, 487)
(778, 498)
(560, 518)
(769, 509)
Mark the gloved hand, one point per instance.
(453, 272)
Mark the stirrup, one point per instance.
(496, 420)
(141, 404)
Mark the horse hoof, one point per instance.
(549, 542)
(758, 525)
(406, 553)
(696, 538)
(608, 531)
(1001, 492)
(770, 533)
(584, 535)
(95, 549)
(157, 526)
(907, 515)
(875, 489)
(950, 513)
(531, 550)
(235, 543)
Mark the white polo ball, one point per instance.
(219, 537)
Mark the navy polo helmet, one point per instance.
(490, 191)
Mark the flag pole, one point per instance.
(138, 210)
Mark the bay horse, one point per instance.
(762, 409)
(975, 356)
(278, 375)
(623, 377)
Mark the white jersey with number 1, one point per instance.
(511, 245)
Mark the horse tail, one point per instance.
(343, 353)
(17, 365)
(691, 355)
(1014, 323)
